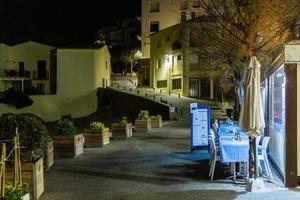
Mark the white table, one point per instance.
(234, 151)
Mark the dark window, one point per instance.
(179, 57)
(158, 64)
(154, 6)
(176, 83)
(21, 69)
(158, 44)
(42, 73)
(154, 26)
(162, 84)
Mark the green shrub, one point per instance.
(97, 125)
(32, 131)
(17, 99)
(15, 193)
(124, 120)
(66, 127)
(143, 115)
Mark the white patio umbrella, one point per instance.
(251, 118)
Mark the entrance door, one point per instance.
(194, 87)
(205, 87)
(42, 74)
(21, 69)
(200, 88)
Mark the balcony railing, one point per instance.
(35, 76)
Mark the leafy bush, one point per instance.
(154, 117)
(32, 131)
(15, 193)
(18, 99)
(124, 120)
(66, 127)
(143, 115)
(97, 125)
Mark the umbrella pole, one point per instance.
(253, 167)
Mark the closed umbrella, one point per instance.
(251, 118)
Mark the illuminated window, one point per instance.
(194, 59)
(154, 6)
(154, 26)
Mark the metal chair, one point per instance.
(214, 152)
(263, 156)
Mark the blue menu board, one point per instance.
(199, 124)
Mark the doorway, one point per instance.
(200, 88)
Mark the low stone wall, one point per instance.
(122, 104)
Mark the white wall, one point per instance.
(4, 58)
(29, 53)
(79, 74)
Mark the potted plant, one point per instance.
(97, 135)
(143, 122)
(68, 143)
(121, 129)
(34, 137)
(156, 121)
(49, 153)
(19, 192)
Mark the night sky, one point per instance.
(60, 21)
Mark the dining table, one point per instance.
(233, 149)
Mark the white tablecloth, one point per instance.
(234, 151)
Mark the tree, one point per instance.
(246, 28)
(131, 57)
(240, 29)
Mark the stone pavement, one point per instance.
(155, 165)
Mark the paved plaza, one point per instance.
(155, 165)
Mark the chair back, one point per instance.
(265, 142)
(212, 133)
(258, 139)
(212, 146)
(214, 127)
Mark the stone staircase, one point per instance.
(181, 104)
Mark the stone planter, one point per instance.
(120, 130)
(68, 146)
(33, 175)
(96, 138)
(142, 125)
(26, 197)
(156, 121)
(49, 155)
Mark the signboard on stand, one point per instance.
(199, 124)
